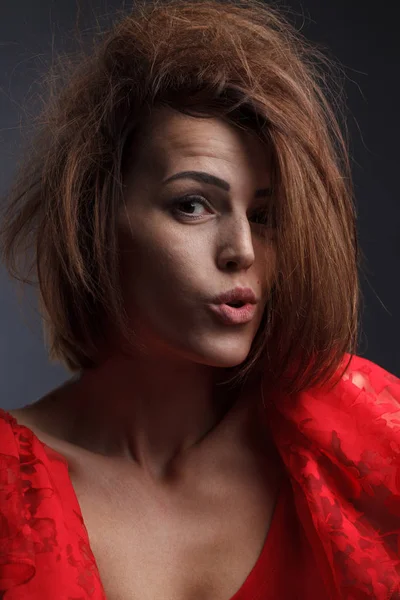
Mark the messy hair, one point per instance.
(241, 61)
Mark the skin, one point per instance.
(162, 406)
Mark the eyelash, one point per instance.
(200, 200)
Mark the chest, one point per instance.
(198, 544)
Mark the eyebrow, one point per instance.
(203, 177)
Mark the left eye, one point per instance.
(266, 217)
(260, 217)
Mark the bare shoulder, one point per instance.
(37, 415)
(48, 419)
(49, 411)
(28, 417)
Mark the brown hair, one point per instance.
(241, 61)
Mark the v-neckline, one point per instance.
(70, 502)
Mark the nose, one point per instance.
(235, 249)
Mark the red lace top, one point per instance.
(335, 532)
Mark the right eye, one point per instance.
(188, 202)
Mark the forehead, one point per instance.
(170, 137)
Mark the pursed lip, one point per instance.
(231, 315)
(237, 294)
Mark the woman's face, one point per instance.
(179, 253)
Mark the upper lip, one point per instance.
(238, 294)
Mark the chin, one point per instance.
(227, 359)
(219, 351)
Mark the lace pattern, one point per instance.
(342, 451)
(44, 546)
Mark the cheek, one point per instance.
(165, 253)
(157, 279)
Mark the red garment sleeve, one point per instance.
(342, 451)
(44, 547)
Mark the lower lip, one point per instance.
(234, 316)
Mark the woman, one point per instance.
(188, 204)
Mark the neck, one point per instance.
(154, 415)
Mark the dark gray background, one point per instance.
(365, 41)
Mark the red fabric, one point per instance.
(44, 545)
(286, 568)
(342, 450)
(335, 531)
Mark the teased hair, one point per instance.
(241, 61)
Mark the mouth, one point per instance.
(234, 313)
(242, 295)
